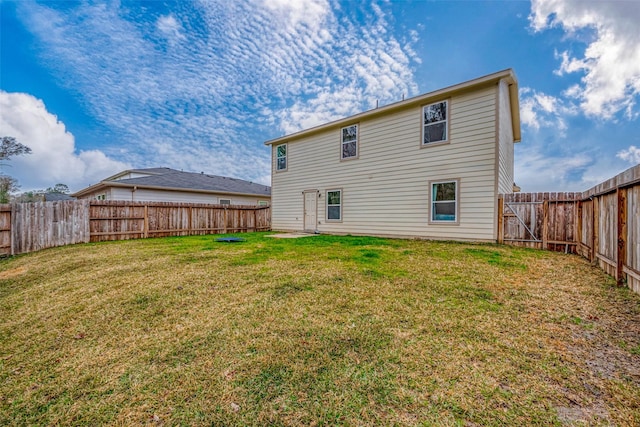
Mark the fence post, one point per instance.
(622, 235)
(577, 217)
(146, 221)
(578, 230)
(545, 222)
(595, 246)
(500, 220)
(11, 230)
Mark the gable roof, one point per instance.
(508, 75)
(175, 180)
(146, 171)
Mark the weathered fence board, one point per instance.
(586, 223)
(42, 225)
(606, 249)
(5, 229)
(601, 224)
(633, 239)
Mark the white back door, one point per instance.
(310, 210)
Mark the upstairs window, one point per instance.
(334, 205)
(350, 142)
(281, 157)
(435, 126)
(444, 201)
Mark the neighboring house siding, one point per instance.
(386, 191)
(148, 195)
(505, 141)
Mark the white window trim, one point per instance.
(327, 204)
(457, 203)
(446, 121)
(357, 142)
(285, 157)
(224, 201)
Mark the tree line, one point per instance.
(10, 147)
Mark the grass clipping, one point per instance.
(314, 331)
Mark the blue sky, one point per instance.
(97, 87)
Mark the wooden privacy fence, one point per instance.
(601, 224)
(122, 220)
(28, 227)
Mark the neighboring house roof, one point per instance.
(468, 86)
(55, 197)
(175, 180)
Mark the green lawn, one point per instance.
(320, 330)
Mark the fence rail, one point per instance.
(28, 227)
(601, 224)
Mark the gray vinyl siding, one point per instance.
(144, 195)
(386, 190)
(505, 141)
(149, 195)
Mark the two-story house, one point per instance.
(430, 167)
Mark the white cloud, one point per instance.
(538, 171)
(538, 109)
(325, 107)
(295, 13)
(611, 62)
(631, 155)
(170, 28)
(54, 158)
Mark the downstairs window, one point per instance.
(444, 201)
(334, 205)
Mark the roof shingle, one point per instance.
(196, 181)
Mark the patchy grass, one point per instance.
(314, 331)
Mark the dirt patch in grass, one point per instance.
(321, 331)
(14, 272)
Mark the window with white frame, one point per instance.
(263, 203)
(444, 201)
(350, 142)
(435, 126)
(334, 205)
(281, 157)
(224, 201)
